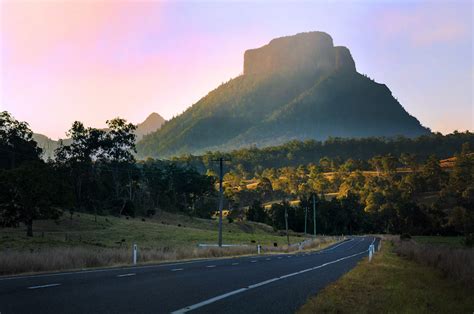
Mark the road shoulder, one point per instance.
(391, 284)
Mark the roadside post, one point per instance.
(286, 226)
(259, 248)
(135, 252)
(314, 215)
(371, 252)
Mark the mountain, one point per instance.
(296, 87)
(151, 124)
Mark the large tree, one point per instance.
(16, 142)
(27, 194)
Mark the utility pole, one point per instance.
(286, 225)
(221, 197)
(314, 216)
(305, 219)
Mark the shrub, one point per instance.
(405, 237)
(469, 240)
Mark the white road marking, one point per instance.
(253, 261)
(45, 286)
(211, 266)
(102, 270)
(235, 264)
(279, 257)
(268, 259)
(259, 284)
(177, 269)
(126, 275)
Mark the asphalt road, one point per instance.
(258, 284)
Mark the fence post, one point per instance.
(259, 247)
(135, 251)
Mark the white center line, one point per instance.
(268, 259)
(235, 264)
(259, 284)
(279, 257)
(177, 269)
(211, 266)
(126, 275)
(45, 286)
(253, 261)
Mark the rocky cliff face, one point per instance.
(311, 53)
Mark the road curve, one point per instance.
(252, 284)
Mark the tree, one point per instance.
(77, 159)
(256, 212)
(28, 194)
(16, 142)
(432, 174)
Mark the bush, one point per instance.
(469, 240)
(405, 237)
(455, 263)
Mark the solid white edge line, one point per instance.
(259, 284)
(44, 286)
(210, 266)
(177, 269)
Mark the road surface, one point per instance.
(256, 284)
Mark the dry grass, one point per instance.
(456, 263)
(391, 284)
(54, 259)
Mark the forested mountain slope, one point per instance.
(296, 87)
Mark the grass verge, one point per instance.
(84, 242)
(392, 284)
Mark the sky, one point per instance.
(93, 60)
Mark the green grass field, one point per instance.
(391, 284)
(165, 230)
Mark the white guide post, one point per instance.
(259, 248)
(135, 253)
(371, 252)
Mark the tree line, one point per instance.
(97, 173)
(338, 150)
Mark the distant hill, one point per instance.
(151, 124)
(297, 87)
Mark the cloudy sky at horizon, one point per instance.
(93, 60)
